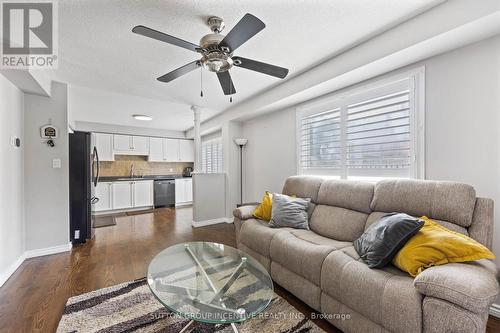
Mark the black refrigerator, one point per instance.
(83, 178)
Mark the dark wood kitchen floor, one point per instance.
(33, 299)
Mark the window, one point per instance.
(370, 133)
(211, 156)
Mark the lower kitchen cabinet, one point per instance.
(143, 193)
(103, 192)
(124, 195)
(183, 191)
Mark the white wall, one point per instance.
(463, 120)
(12, 243)
(46, 188)
(462, 125)
(269, 156)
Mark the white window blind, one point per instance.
(378, 133)
(320, 141)
(211, 156)
(370, 133)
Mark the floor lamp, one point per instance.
(241, 142)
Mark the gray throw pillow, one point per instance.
(382, 241)
(289, 212)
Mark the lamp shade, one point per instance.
(240, 141)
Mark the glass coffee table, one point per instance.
(210, 283)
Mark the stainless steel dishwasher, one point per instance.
(164, 193)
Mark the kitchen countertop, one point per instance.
(152, 177)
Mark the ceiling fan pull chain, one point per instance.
(230, 91)
(201, 82)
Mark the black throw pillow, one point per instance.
(380, 243)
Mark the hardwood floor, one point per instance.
(33, 299)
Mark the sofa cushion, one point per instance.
(299, 256)
(375, 216)
(289, 212)
(436, 245)
(257, 235)
(385, 298)
(379, 244)
(346, 194)
(314, 238)
(303, 187)
(448, 201)
(338, 223)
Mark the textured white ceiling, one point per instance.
(98, 50)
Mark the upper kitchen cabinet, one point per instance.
(171, 150)
(186, 150)
(130, 144)
(104, 145)
(156, 150)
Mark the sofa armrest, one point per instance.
(469, 286)
(244, 212)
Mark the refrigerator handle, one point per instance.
(98, 166)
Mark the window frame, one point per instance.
(415, 79)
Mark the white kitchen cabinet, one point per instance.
(183, 191)
(171, 150)
(156, 150)
(122, 143)
(143, 193)
(130, 144)
(103, 193)
(104, 144)
(186, 150)
(188, 189)
(122, 195)
(140, 145)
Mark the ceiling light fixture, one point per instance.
(142, 117)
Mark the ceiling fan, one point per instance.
(216, 51)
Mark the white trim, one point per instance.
(48, 250)
(31, 254)
(197, 224)
(184, 204)
(11, 269)
(495, 310)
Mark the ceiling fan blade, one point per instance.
(245, 29)
(261, 67)
(226, 83)
(179, 72)
(151, 33)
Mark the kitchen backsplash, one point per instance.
(121, 167)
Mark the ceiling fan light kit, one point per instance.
(216, 51)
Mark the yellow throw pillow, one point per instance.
(264, 210)
(436, 245)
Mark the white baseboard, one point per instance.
(495, 310)
(183, 204)
(4, 276)
(48, 250)
(197, 224)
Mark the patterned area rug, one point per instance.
(131, 307)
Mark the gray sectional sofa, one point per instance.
(321, 267)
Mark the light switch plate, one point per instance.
(56, 163)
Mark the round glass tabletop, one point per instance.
(210, 282)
